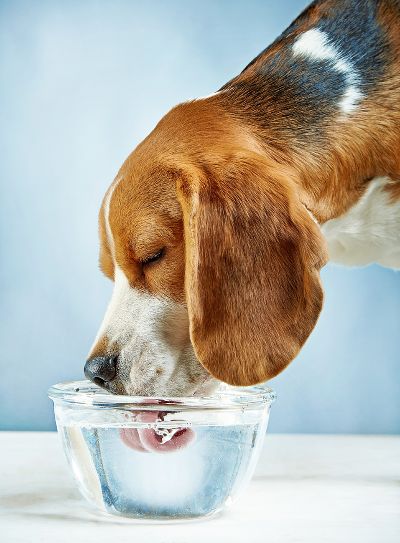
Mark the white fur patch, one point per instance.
(106, 211)
(207, 96)
(131, 311)
(315, 44)
(369, 232)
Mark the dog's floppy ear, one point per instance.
(253, 255)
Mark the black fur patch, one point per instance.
(288, 88)
(354, 31)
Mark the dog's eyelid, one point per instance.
(154, 257)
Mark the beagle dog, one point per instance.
(216, 227)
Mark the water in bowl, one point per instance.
(194, 481)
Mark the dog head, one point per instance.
(215, 262)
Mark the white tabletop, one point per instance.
(306, 489)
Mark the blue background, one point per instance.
(82, 84)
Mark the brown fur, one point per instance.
(252, 260)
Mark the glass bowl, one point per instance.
(161, 458)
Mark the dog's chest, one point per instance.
(369, 231)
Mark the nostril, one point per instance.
(98, 381)
(101, 369)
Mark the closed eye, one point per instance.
(153, 258)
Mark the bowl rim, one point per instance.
(85, 393)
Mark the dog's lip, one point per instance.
(116, 388)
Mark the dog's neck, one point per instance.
(317, 97)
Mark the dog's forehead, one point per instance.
(140, 210)
(142, 189)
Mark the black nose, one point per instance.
(101, 369)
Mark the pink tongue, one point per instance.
(148, 440)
